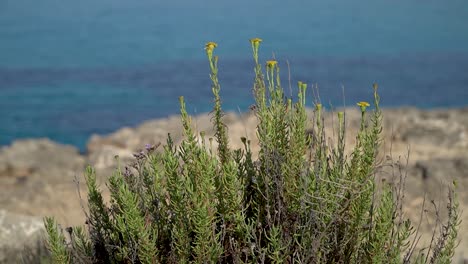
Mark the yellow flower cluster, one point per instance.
(210, 46)
(255, 44)
(255, 41)
(363, 106)
(271, 63)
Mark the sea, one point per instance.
(70, 69)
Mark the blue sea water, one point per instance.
(72, 68)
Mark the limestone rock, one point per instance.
(442, 127)
(36, 177)
(21, 237)
(441, 169)
(25, 158)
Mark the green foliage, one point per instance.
(56, 242)
(302, 201)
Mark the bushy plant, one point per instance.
(301, 201)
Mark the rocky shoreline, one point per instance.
(37, 176)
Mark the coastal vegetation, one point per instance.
(302, 200)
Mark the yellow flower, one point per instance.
(255, 44)
(210, 46)
(271, 63)
(363, 104)
(255, 41)
(318, 107)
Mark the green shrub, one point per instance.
(302, 201)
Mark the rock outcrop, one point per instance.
(37, 177)
(21, 238)
(33, 157)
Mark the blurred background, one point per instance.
(72, 68)
(83, 81)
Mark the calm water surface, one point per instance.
(72, 68)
